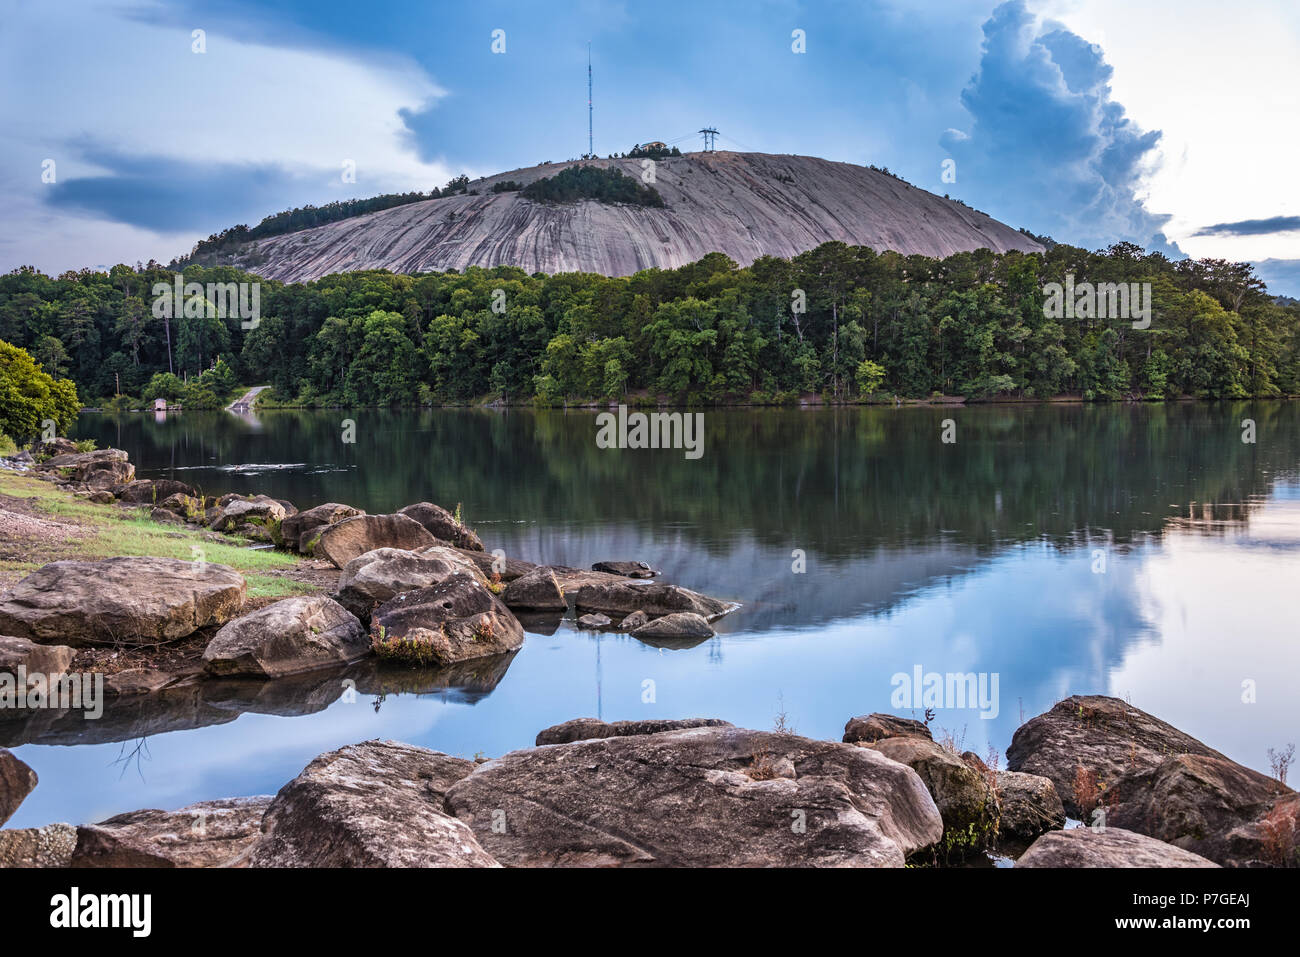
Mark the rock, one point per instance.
(585, 729)
(626, 569)
(166, 517)
(16, 782)
(708, 796)
(207, 834)
(1113, 847)
(371, 579)
(456, 620)
(238, 513)
(634, 620)
(962, 794)
(55, 446)
(1029, 806)
(151, 491)
(494, 566)
(135, 681)
(596, 622)
(538, 590)
(345, 540)
(377, 804)
(188, 507)
(128, 600)
(100, 497)
(300, 530)
(288, 637)
(875, 727)
(682, 625)
(48, 846)
(443, 525)
(49, 661)
(102, 469)
(615, 595)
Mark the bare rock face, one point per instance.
(1029, 806)
(744, 205)
(1113, 847)
(352, 537)
(442, 525)
(371, 579)
(584, 729)
(874, 727)
(300, 530)
(48, 846)
(288, 637)
(49, 661)
(207, 834)
(17, 781)
(151, 491)
(377, 804)
(101, 469)
(709, 796)
(682, 625)
(457, 619)
(537, 590)
(129, 600)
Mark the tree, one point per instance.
(869, 376)
(30, 397)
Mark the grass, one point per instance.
(114, 531)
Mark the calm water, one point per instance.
(979, 556)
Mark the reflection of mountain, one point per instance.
(205, 703)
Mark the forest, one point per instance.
(845, 322)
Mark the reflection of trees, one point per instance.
(843, 479)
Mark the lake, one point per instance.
(1141, 551)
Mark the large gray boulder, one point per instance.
(288, 637)
(376, 804)
(258, 514)
(709, 796)
(1028, 806)
(343, 541)
(617, 596)
(130, 601)
(101, 469)
(207, 834)
(683, 625)
(371, 579)
(16, 782)
(443, 525)
(1112, 847)
(452, 621)
(874, 727)
(964, 796)
(537, 590)
(36, 661)
(584, 729)
(151, 491)
(300, 530)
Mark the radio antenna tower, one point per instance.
(591, 150)
(709, 134)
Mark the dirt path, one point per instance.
(244, 404)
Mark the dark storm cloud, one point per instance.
(1253, 227)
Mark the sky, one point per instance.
(125, 135)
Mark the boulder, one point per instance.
(166, 516)
(615, 595)
(49, 661)
(875, 727)
(442, 525)
(207, 834)
(101, 469)
(131, 601)
(151, 491)
(343, 541)
(288, 637)
(595, 622)
(300, 530)
(371, 579)
(584, 729)
(134, 681)
(682, 625)
(626, 569)
(377, 804)
(538, 590)
(961, 792)
(188, 507)
(1028, 806)
(16, 782)
(1112, 847)
(708, 796)
(48, 846)
(455, 620)
(239, 513)
(495, 566)
(634, 620)
(55, 446)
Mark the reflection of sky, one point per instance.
(1173, 627)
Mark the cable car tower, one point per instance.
(709, 134)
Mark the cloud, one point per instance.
(1048, 147)
(1252, 227)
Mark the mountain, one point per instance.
(745, 205)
